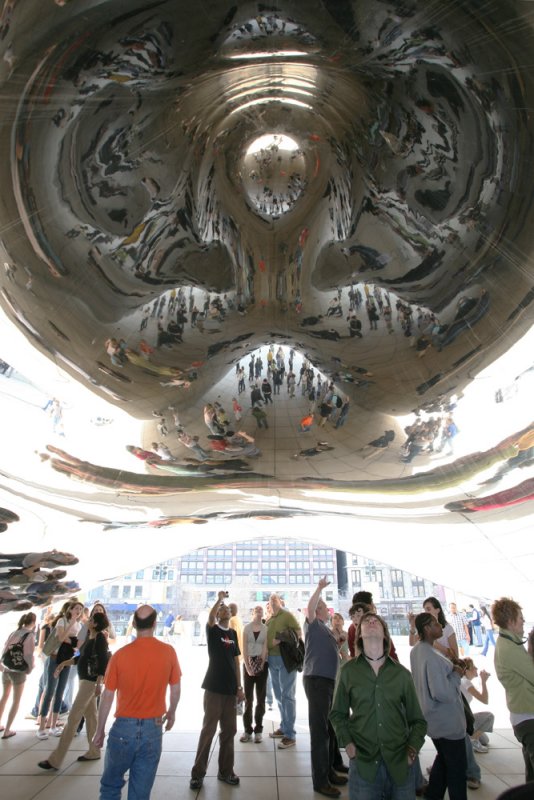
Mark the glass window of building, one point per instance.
(418, 587)
(138, 592)
(126, 591)
(114, 591)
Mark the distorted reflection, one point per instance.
(348, 182)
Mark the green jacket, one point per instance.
(280, 622)
(380, 714)
(515, 670)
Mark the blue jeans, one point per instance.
(477, 635)
(54, 687)
(135, 745)
(463, 645)
(382, 786)
(490, 639)
(269, 692)
(473, 770)
(284, 688)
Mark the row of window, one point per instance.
(126, 592)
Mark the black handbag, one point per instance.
(469, 717)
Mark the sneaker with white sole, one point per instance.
(473, 783)
(258, 738)
(478, 747)
(56, 731)
(277, 734)
(284, 743)
(246, 737)
(42, 735)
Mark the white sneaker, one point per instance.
(56, 731)
(258, 738)
(42, 735)
(246, 737)
(478, 747)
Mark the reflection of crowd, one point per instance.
(435, 434)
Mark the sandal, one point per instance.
(9, 734)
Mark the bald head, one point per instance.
(145, 618)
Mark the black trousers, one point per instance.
(524, 733)
(448, 770)
(320, 692)
(249, 683)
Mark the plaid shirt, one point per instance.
(458, 622)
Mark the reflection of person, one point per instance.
(437, 682)
(306, 422)
(515, 670)
(377, 717)
(222, 687)
(139, 673)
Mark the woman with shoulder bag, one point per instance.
(65, 631)
(92, 663)
(16, 664)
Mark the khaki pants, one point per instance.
(218, 709)
(84, 706)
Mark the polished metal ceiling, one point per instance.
(129, 168)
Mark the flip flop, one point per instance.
(9, 734)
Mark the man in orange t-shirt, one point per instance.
(140, 673)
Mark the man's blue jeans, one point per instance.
(135, 745)
(382, 786)
(284, 688)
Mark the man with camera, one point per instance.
(222, 690)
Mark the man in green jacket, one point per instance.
(515, 670)
(377, 717)
(284, 682)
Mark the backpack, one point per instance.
(13, 658)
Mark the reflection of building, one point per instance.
(251, 570)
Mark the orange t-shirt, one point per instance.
(140, 673)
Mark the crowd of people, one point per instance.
(360, 698)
